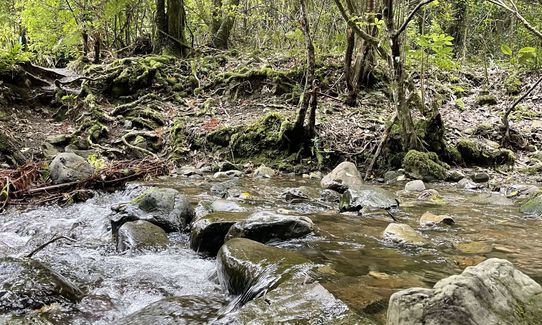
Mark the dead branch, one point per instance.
(42, 246)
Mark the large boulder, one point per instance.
(245, 265)
(493, 292)
(177, 311)
(164, 207)
(265, 226)
(208, 232)
(484, 153)
(296, 303)
(344, 176)
(68, 167)
(140, 235)
(28, 284)
(366, 196)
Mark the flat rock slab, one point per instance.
(403, 234)
(244, 264)
(366, 196)
(265, 226)
(493, 292)
(185, 310)
(28, 284)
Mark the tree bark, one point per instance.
(222, 23)
(161, 26)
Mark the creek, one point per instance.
(356, 264)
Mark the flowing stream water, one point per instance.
(357, 265)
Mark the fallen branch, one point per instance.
(42, 246)
(510, 109)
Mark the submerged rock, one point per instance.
(164, 207)
(403, 234)
(187, 310)
(221, 189)
(344, 176)
(68, 167)
(265, 226)
(429, 219)
(330, 196)
(366, 196)
(415, 186)
(296, 303)
(139, 235)
(226, 206)
(294, 194)
(27, 284)
(533, 206)
(247, 266)
(474, 247)
(493, 292)
(209, 231)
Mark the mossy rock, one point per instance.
(486, 100)
(477, 153)
(512, 85)
(263, 136)
(221, 136)
(424, 165)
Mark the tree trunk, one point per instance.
(176, 23)
(222, 23)
(161, 26)
(97, 48)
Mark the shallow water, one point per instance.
(356, 264)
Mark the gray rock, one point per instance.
(28, 284)
(227, 166)
(468, 184)
(221, 189)
(228, 174)
(185, 310)
(296, 303)
(391, 176)
(265, 226)
(59, 139)
(366, 196)
(330, 196)
(520, 190)
(164, 207)
(344, 176)
(226, 206)
(68, 167)
(415, 186)
(454, 176)
(480, 177)
(243, 262)
(403, 234)
(493, 292)
(294, 194)
(140, 235)
(264, 172)
(208, 232)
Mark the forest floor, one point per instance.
(220, 92)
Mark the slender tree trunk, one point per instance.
(176, 23)
(97, 48)
(222, 23)
(160, 21)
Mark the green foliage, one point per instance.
(13, 56)
(436, 49)
(95, 162)
(526, 57)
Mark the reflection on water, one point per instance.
(357, 265)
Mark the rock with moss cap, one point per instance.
(493, 292)
(424, 165)
(140, 235)
(243, 263)
(484, 153)
(164, 207)
(208, 232)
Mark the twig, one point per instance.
(136, 133)
(42, 246)
(410, 17)
(513, 107)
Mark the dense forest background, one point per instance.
(417, 53)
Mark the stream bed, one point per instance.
(355, 263)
